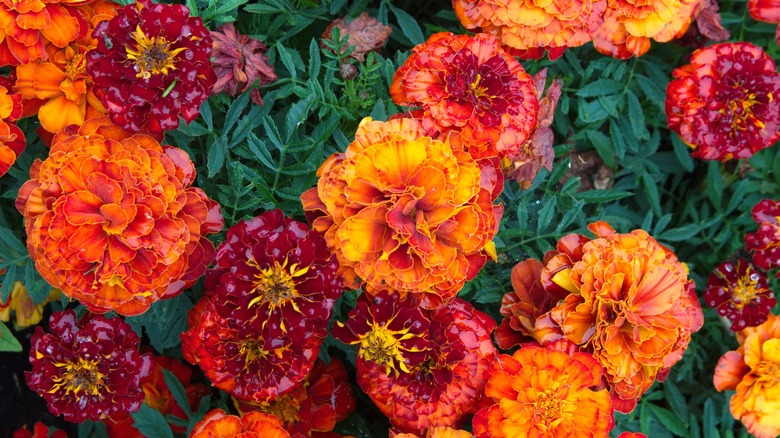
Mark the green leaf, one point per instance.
(601, 196)
(215, 158)
(297, 116)
(709, 420)
(682, 152)
(604, 147)
(8, 282)
(675, 400)
(286, 58)
(680, 234)
(234, 111)
(546, 213)
(150, 422)
(7, 340)
(408, 25)
(669, 420)
(163, 322)
(637, 117)
(314, 59)
(261, 152)
(601, 87)
(715, 184)
(178, 391)
(651, 190)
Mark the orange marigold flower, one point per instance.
(422, 368)
(545, 392)
(87, 369)
(765, 243)
(724, 103)
(435, 432)
(740, 293)
(753, 370)
(153, 64)
(406, 212)
(217, 423)
(12, 141)
(531, 27)
(314, 408)
(767, 11)
(629, 25)
(632, 435)
(266, 308)
(112, 220)
(26, 312)
(469, 87)
(630, 303)
(40, 430)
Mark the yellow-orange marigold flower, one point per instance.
(435, 432)
(545, 392)
(533, 26)
(112, 220)
(403, 211)
(754, 371)
(630, 303)
(12, 141)
(629, 25)
(26, 312)
(217, 423)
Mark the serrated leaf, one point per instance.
(234, 111)
(601, 87)
(163, 322)
(636, 116)
(150, 422)
(546, 213)
(296, 116)
(651, 190)
(178, 391)
(286, 58)
(261, 153)
(669, 420)
(215, 158)
(8, 282)
(37, 288)
(408, 25)
(7, 340)
(314, 59)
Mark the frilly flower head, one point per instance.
(531, 27)
(765, 243)
(435, 432)
(545, 392)
(87, 369)
(239, 61)
(12, 141)
(439, 357)
(153, 64)
(724, 103)
(629, 25)
(471, 88)
(314, 408)
(257, 330)
(740, 293)
(753, 370)
(112, 220)
(217, 423)
(406, 212)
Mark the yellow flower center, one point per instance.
(79, 377)
(550, 407)
(76, 68)
(276, 284)
(151, 55)
(382, 346)
(286, 408)
(742, 114)
(251, 350)
(745, 289)
(476, 89)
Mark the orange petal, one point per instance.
(64, 29)
(60, 112)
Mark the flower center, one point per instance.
(79, 377)
(549, 406)
(76, 68)
(745, 289)
(382, 347)
(476, 89)
(276, 284)
(252, 351)
(286, 408)
(151, 55)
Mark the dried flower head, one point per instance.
(765, 242)
(87, 369)
(365, 34)
(239, 61)
(740, 293)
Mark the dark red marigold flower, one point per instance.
(471, 87)
(314, 408)
(153, 64)
(765, 243)
(740, 293)
(87, 369)
(723, 104)
(239, 61)
(444, 353)
(257, 331)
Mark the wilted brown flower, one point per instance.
(239, 61)
(364, 32)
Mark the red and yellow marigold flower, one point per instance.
(26, 312)
(435, 432)
(531, 27)
(112, 220)
(765, 243)
(740, 293)
(87, 369)
(217, 423)
(153, 64)
(724, 103)
(40, 430)
(767, 11)
(258, 328)
(314, 408)
(12, 141)
(27, 26)
(545, 392)
(629, 25)
(422, 368)
(406, 212)
(471, 88)
(753, 370)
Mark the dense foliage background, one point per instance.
(616, 160)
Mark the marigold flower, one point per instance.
(470, 87)
(153, 63)
(26, 312)
(217, 423)
(314, 408)
(767, 11)
(545, 392)
(435, 432)
(632, 435)
(87, 369)
(406, 212)
(740, 293)
(239, 61)
(12, 141)
(267, 304)
(531, 27)
(422, 368)
(753, 370)
(723, 103)
(630, 303)
(765, 243)
(40, 430)
(629, 25)
(112, 220)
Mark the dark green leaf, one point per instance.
(675, 400)
(178, 391)
(150, 422)
(669, 420)
(715, 184)
(680, 234)
(604, 147)
(7, 340)
(709, 420)
(601, 87)
(601, 196)
(215, 158)
(286, 58)
(636, 116)
(408, 25)
(682, 152)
